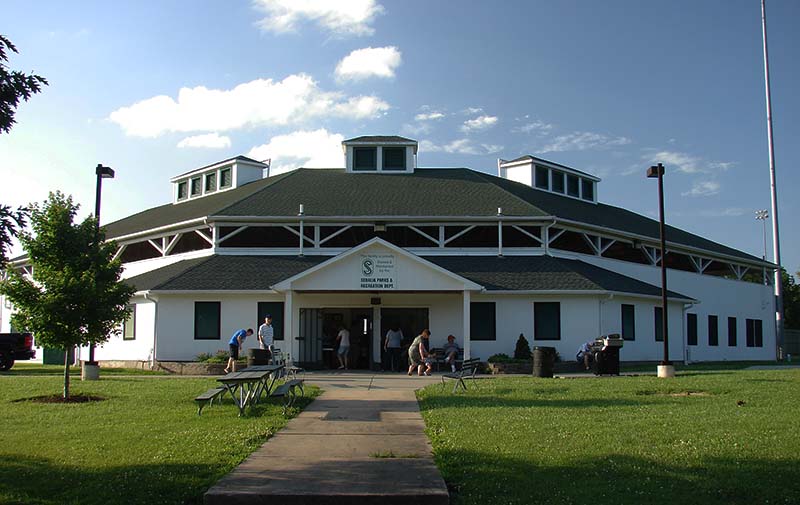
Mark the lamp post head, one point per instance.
(762, 214)
(104, 172)
(655, 171)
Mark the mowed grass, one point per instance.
(725, 437)
(144, 444)
(24, 368)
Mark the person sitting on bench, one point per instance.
(585, 354)
(450, 352)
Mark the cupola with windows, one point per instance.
(380, 154)
(551, 177)
(220, 176)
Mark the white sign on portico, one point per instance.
(377, 271)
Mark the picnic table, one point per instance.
(247, 387)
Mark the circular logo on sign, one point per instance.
(367, 267)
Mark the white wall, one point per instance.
(520, 173)
(717, 296)
(138, 349)
(175, 326)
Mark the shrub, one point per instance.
(221, 356)
(523, 350)
(499, 358)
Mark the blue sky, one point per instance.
(154, 89)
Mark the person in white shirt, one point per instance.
(266, 335)
(344, 346)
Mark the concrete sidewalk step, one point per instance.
(367, 481)
(286, 446)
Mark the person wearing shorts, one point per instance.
(417, 354)
(235, 344)
(344, 347)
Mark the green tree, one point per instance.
(791, 301)
(11, 222)
(14, 86)
(75, 296)
(523, 349)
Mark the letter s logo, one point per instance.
(367, 267)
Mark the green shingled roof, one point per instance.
(434, 192)
(518, 273)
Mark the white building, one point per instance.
(383, 242)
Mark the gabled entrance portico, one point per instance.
(375, 275)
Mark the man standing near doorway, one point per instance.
(344, 346)
(266, 335)
(235, 345)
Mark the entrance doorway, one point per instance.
(318, 331)
(410, 321)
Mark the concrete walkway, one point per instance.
(361, 441)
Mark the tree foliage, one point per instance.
(523, 349)
(75, 296)
(14, 86)
(11, 223)
(791, 301)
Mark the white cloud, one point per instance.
(703, 188)
(478, 123)
(581, 141)
(416, 129)
(714, 213)
(310, 149)
(350, 17)
(459, 146)
(429, 116)
(472, 110)
(262, 102)
(210, 140)
(683, 162)
(539, 127)
(369, 62)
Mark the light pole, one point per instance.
(102, 173)
(665, 369)
(763, 215)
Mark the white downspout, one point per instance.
(153, 360)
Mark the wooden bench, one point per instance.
(208, 397)
(288, 393)
(469, 369)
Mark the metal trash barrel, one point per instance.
(257, 357)
(543, 360)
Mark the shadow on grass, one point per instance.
(487, 477)
(478, 401)
(37, 481)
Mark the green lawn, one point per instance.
(23, 368)
(144, 444)
(620, 440)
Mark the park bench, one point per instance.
(208, 397)
(439, 358)
(288, 393)
(469, 369)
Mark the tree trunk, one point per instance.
(67, 355)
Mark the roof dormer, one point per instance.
(551, 177)
(380, 154)
(220, 176)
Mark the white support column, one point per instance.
(289, 332)
(377, 345)
(467, 337)
(499, 231)
(441, 235)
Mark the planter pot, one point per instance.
(90, 372)
(508, 368)
(666, 371)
